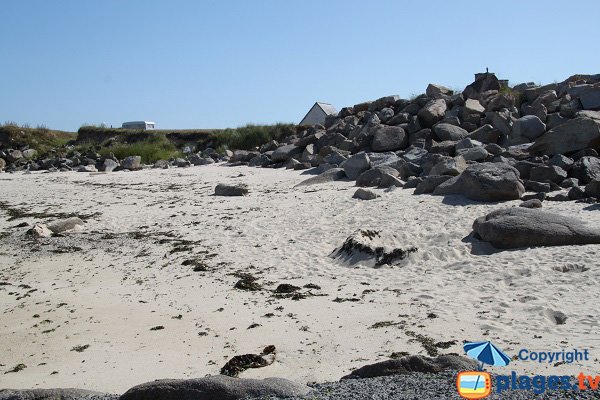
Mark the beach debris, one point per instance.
(240, 363)
(371, 247)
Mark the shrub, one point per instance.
(250, 136)
(153, 148)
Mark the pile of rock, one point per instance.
(488, 143)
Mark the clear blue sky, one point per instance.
(214, 64)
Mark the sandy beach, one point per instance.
(112, 285)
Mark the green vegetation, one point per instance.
(250, 136)
(40, 138)
(154, 147)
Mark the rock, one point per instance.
(472, 107)
(486, 134)
(434, 91)
(372, 177)
(334, 158)
(373, 248)
(14, 155)
(243, 156)
(559, 197)
(430, 183)
(39, 231)
(592, 189)
(218, 387)
(261, 160)
(356, 165)
(66, 225)
(197, 159)
(569, 183)
(449, 132)
(223, 189)
(389, 138)
(532, 203)
(132, 163)
(86, 168)
(473, 154)
(2, 164)
(432, 112)
(545, 173)
(388, 181)
(110, 165)
(538, 186)
(483, 83)
(452, 167)
(493, 148)
(574, 135)
(414, 363)
(528, 126)
(286, 152)
(54, 394)
(523, 227)
(577, 193)
(539, 196)
(501, 120)
(586, 169)
(485, 182)
(29, 154)
(332, 174)
(163, 164)
(561, 161)
(590, 98)
(365, 194)
(181, 163)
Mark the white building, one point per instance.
(317, 114)
(139, 125)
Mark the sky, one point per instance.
(224, 63)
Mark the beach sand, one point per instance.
(107, 285)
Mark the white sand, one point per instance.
(282, 235)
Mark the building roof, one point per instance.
(327, 108)
(139, 122)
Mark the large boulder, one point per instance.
(223, 189)
(414, 363)
(432, 112)
(446, 131)
(356, 165)
(574, 135)
(430, 182)
(132, 163)
(372, 177)
(590, 98)
(217, 387)
(529, 126)
(389, 138)
(333, 174)
(586, 169)
(109, 165)
(545, 173)
(485, 182)
(286, 152)
(522, 227)
(54, 394)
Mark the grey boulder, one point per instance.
(446, 131)
(430, 183)
(54, 394)
(413, 363)
(485, 182)
(432, 112)
(223, 189)
(389, 138)
(373, 177)
(332, 174)
(109, 165)
(545, 173)
(586, 169)
(356, 165)
(217, 387)
(286, 152)
(523, 227)
(528, 126)
(574, 135)
(132, 163)
(364, 194)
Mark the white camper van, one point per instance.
(138, 125)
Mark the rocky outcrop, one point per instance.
(522, 227)
(485, 182)
(215, 388)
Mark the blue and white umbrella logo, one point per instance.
(486, 353)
